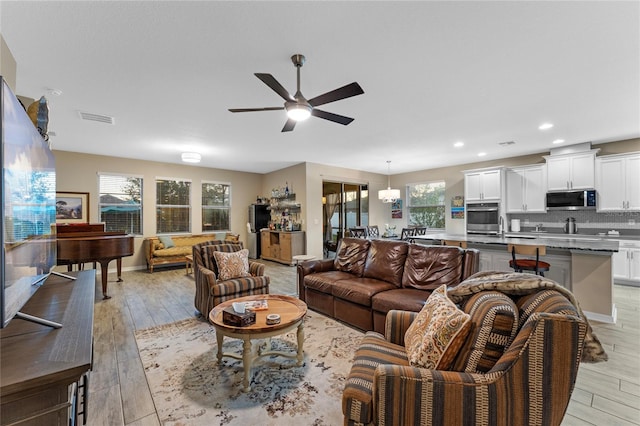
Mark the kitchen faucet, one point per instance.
(539, 227)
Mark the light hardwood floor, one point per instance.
(605, 394)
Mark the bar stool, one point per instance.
(520, 265)
(461, 244)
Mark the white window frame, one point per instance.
(187, 206)
(443, 205)
(140, 204)
(204, 208)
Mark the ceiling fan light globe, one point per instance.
(298, 112)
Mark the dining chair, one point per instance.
(358, 232)
(420, 230)
(520, 265)
(407, 233)
(373, 231)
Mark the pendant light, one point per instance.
(388, 195)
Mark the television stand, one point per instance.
(40, 367)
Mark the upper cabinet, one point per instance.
(483, 185)
(571, 171)
(618, 182)
(526, 189)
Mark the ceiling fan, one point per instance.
(298, 107)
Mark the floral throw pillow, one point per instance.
(232, 265)
(436, 335)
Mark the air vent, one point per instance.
(507, 143)
(96, 117)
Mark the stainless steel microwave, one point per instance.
(571, 200)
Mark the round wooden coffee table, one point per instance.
(291, 311)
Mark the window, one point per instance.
(120, 203)
(426, 204)
(216, 206)
(173, 205)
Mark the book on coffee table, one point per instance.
(257, 305)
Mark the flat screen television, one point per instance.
(28, 208)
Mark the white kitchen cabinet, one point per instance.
(483, 185)
(571, 171)
(526, 189)
(626, 262)
(618, 182)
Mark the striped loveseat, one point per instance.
(517, 365)
(210, 290)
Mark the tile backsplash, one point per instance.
(588, 221)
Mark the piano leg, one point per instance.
(119, 265)
(104, 272)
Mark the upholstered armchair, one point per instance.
(211, 289)
(529, 380)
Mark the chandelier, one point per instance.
(388, 195)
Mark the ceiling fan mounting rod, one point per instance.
(298, 61)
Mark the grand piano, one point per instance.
(78, 244)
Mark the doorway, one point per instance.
(345, 205)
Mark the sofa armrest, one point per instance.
(310, 267)
(396, 325)
(256, 269)
(149, 248)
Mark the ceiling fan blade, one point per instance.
(289, 125)
(255, 109)
(331, 116)
(343, 92)
(270, 81)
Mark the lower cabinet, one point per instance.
(560, 270)
(281, 246)
(626, 263)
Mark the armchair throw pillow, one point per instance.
(232, 265)
(436, 335)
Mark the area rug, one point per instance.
(189, 387)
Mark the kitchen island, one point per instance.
(582, 264)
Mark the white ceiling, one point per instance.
(433, 73)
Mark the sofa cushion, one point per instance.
(351, 255)
(359, 290)
(385, 261)
(323, 281)
(494, 319)
(232, 265)
(176, 251)
(403, 299)
(428, 267)
(357, 397)
(166, 241)
(549, 301)
(433, 339)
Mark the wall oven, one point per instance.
(483, 218)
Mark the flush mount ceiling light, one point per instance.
(191, 157)
(458, 144)
(545, 126)
(558, 141)
(388, 195)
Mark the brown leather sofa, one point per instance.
(368, 278)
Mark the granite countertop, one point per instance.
(564, 242)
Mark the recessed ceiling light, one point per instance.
(557, 141)
(482, 154)
(191, 157)
(458, 144)
(545, 126)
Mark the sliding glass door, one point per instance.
(345, 205)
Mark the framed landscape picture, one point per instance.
(72, 207)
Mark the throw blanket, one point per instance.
(517, 284)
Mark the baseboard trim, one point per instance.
(608, 319)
